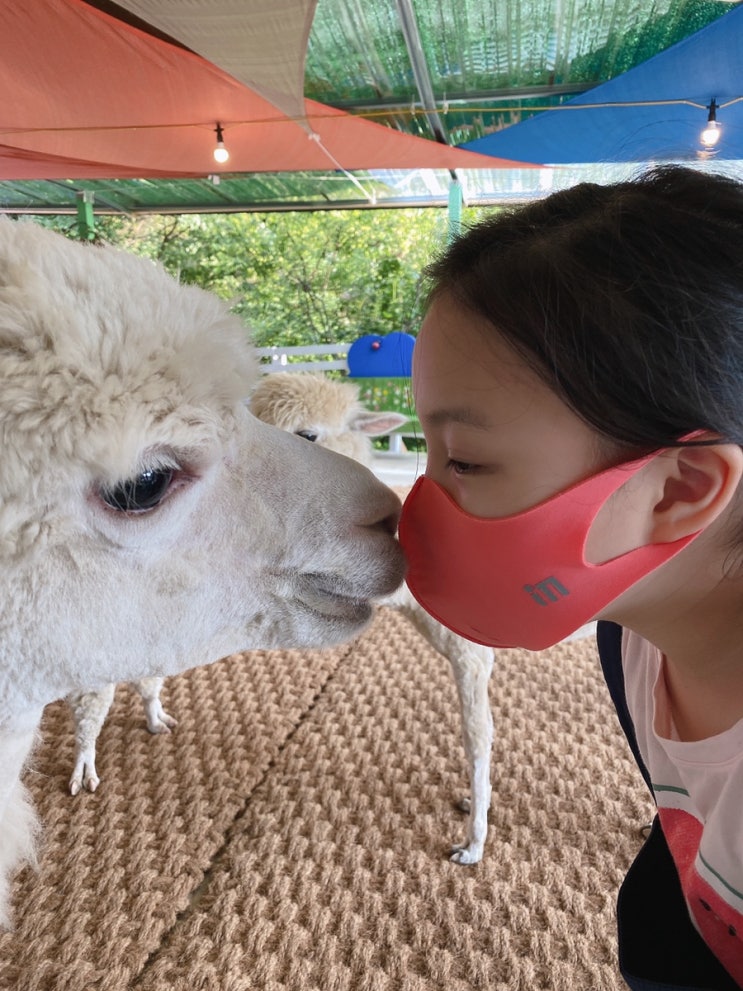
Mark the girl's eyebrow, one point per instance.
(458, 414)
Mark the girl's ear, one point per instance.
(698, 484)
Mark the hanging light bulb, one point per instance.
(220, 152)
(711, 133)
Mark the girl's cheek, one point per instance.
(476, 494)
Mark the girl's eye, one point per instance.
(461, 467)
(307, 434)
(139, 494)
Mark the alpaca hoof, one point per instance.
(158, 720)
(84, 776)
(466, 854)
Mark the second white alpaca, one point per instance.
(90, 709)
(329, 412)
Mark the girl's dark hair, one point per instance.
(626, 299)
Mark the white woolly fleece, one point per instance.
(108, 369)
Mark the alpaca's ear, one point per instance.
(697, 486)
(376, 424)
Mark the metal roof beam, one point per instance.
(482, 96)
(301, 206)
(418, 63)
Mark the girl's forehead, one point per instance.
(458, 349)
(466, 374)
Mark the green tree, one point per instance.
(296, 278)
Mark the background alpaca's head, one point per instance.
(322, 410)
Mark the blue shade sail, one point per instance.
(653, 112)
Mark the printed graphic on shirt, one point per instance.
(719, 923)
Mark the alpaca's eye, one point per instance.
(141, 493)
(307, 434)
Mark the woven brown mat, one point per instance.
(293, 832)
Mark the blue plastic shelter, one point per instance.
(654, 112)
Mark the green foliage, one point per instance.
(296, 278)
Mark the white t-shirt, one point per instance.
(698, 788)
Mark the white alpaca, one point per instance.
(148, 522)
(329, 412)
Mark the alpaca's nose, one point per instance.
(386, 512)
(389, 522)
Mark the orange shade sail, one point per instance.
(90, 96)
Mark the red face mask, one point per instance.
(521, 580)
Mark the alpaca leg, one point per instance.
(89, 710)
(471, 665)
(158, 720)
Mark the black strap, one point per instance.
(609, 639)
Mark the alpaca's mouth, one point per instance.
(336, 607)
(331, 597)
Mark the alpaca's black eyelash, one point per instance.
(307, 434)
(139, 494)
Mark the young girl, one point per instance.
(579, 378)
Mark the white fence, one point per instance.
(277, 359)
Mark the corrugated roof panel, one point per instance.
(357, 56)
(356, 52)
(189, 195)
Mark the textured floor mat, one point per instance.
(293, 832)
